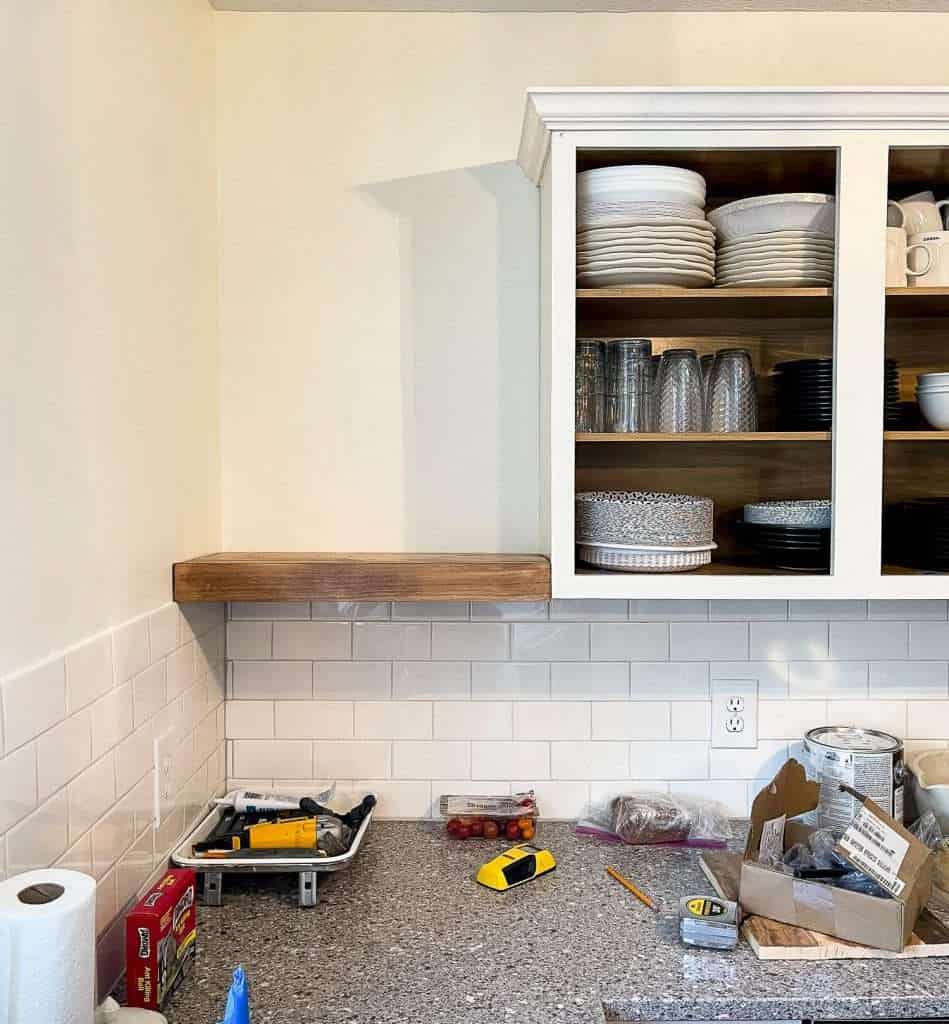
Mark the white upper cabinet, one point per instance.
(835, 352)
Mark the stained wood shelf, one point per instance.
(707, 438)
(916, 435)
(334, 576)
(917, 302)
(682, 303)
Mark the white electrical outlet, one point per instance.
(735, 713)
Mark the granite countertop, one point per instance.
(406, 936)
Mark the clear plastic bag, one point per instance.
(927, 830)
(657, 818)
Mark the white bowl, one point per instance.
(932, 379)
(811, 211)
(934, 405)
(931, 771)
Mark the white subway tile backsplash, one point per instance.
(584, 680)
(789, 641)
(565, 801)
(312, 641)
(112, 836)
(711, 641)
(762, 761)
(78, 857)
(553, 641)
(252, 719)
(789, 719)
(112, 719)
(834, 680)
(771, 676)
(430, 759)
(62, 753)
(630, 720)
(509, 611)
(473, 720)
(629, 641)
(361, 610)
(747, 611)
(582, 610)
(521, 760)
(90, 795)
(40, 838)
(650, 609)
(314, 719)
(272, 759)
(33, 701)
(17, 786)
(551, 720)
(675, 759)
(602, 794)
(885, 715)
(89, 671)
(470, 641)
(276, 680)
(928, 720)
(130, 649)
(668, 680)
(351, 680)
(133, 758)
(341, 759)
(179, 671)
(690, 720)
(270, 610)
(907, 610)
(909, 679)
(433, 610)
(733, 795)
(148, 693)
(851, 641)
(928, 640)
(510, 680)
(392, 641)
(162, 632)
(431, 680)
(393, 720)
(817, 611)
(398, 799)
(250, 641)
(589, 760)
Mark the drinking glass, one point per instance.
(731, 404)
(590, 386)
(679, 406)
(629, 385)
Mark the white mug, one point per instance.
(920, 212)
(898, 260)
(936, 272)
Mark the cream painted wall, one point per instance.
(379, 248)
(108, 312)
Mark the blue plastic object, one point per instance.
(237, 1010)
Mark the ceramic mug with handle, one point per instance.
(936, 273)
(898, 258)
(917, 213)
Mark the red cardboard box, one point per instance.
(159, 939)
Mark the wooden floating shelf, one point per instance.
(757, 436)
(917, 301)
(324, 576)
(682, 303)
(916, 435)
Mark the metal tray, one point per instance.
(307, 868)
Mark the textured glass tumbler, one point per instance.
(731, 405)
(679, 394)
(590, 386)
(629, 385)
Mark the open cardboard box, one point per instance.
(874, 843)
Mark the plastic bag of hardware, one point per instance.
(643, 819)
(927, 830)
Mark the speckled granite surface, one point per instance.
(406, 936)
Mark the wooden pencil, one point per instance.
(638, 893)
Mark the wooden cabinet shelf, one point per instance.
(325, 576)
(758, 436)
(916, 435)
(684, 303)
(914, 302)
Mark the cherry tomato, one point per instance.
(512, 831)
(523, 823)
(452, 825)
(491, 829)
(476, 828)
(462, 832)
(528, 832)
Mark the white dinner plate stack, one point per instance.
(784, 240)
(645, 225)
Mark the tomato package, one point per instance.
(511, 818)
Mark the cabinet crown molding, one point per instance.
(724, 108)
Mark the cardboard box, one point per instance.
(873, 843)
(159, 939)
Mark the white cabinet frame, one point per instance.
(861, 125)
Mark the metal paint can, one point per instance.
(869, 761)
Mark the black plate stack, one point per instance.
(892, 410)
(917, 534)
(805, 394)
(799, 548)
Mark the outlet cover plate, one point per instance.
(724, 694)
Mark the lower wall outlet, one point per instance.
(735, 713)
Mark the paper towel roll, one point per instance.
(47, 948)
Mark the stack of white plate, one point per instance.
(643, 224)
(778, 240)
